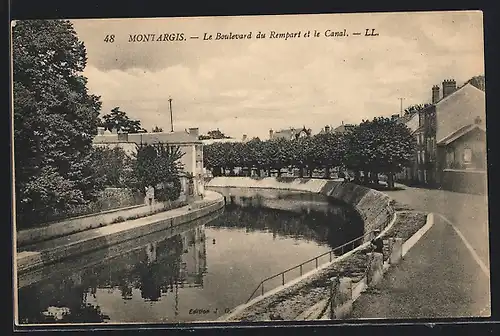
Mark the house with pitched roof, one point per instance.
(290, 133)
(451, 138)
(187, 141)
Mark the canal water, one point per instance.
(196, 275)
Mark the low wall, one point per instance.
(374, 207)
(76, 266)
(471, 182)
(294, 201)
(87, 222)
(96, 239)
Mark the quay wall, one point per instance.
(374, 207)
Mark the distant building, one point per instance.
(244, 139)
(451, 139)
(343, 128)
(187, 141)
(326, 130)
(290, 133)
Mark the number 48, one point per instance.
(109, 38)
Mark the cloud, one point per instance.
(250, 86)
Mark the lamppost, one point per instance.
(171, 115)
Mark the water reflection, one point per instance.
(334, 225)
(156, 270)
(165, 278)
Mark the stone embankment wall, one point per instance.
(92, 240)
(92, 221)
(374, 207)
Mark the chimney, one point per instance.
(100, 130)
(327, 129)
(195, 131)
(271, 133)
(435, 94)
(449, 86)
(244, 137)
(122, 136)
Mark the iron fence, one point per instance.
(334, 253)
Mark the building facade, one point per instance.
(451, 146)
(187, 142)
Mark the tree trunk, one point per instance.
(311, 172)
(390, 180)
(258, 172)
(357, 176)
(279, 172)
(301, 171)
(366, 178)
(327, 172)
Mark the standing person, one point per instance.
(150, 194)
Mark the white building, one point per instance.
(187, 141)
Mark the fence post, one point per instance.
(262, 286)
(333, 293)
(396, 251)
(316, 262)
(283, 278)
(375, 268)
(301, 269)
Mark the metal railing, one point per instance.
(344, 248)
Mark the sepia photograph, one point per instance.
(246, 169)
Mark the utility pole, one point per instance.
(171, 116)
(401, 106)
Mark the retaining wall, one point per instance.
(99, 238)
(87, 222)
(374, 207)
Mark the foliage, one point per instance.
(380, 146)
(55, 119)
(478, 81)
(411, 110)
(158, 166)
(113, 166)
(121, 122)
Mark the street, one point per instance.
(467, 212)
(438, 278)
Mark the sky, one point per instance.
(249, 86)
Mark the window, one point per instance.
(418, 140)
(451, 158)
(467, 155)
(419, 157)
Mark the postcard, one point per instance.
(250, 169)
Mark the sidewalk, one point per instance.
(438, 278)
